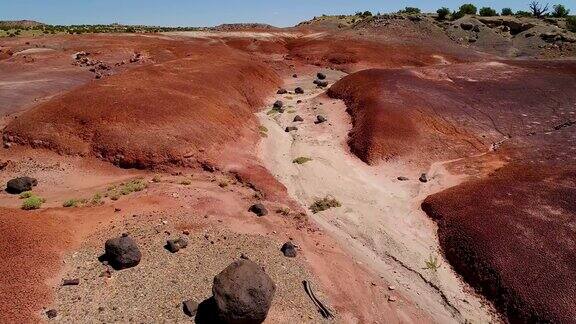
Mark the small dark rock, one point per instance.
(298, 101)
(71, 282)
(278, 104)
(176, 244)
(122, 252)
(258, 209)
(291, 128)
(282, 91)
(190, 307)
(294, 75)
(321, 83)
(51, 313)
(320, 119)
(297, 118)
(321, 76)
(299, 90)
(20, 185)
(403, 179)
(423, 178)
(289, 250)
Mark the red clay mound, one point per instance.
(180, 111)
(449, 111)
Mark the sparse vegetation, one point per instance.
(262, 129)
(123, 189)
(559, 11)
(571, 23)
(522, 13)
(537, 10)
(410, 10)
(26, 194)
(186, 182)
(71, 203)
(506, 12)
(301, 160)
(156, 179)
(324, 204)
(443, 13)
(284, 211)
(223, 183)
(96, 199)
(41, 29)
(468, 9)
(487, 12)
(432, 263)
(33, 202)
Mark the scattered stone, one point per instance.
(190, 307)
(291, 128)
(176, 244)
(289, 250)
(258, 209)
(79, 55)
(278, 104)
(297, 118)
(243, 293)
(299, 90)
(20, 185)
(294, 75)
(51, 313)
(282, 91)
(298, 101)
(71, 282)
(403, 178)
(321, 83)
(391, 288)
(244, 256)
(392, 298)
(320, 119)
(423, 178)
(122, 252)
(321, 76)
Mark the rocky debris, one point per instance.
(321, 83)
(299, 90)
(243, 293)
(278, 104)
(282, 91)
(122, 252)
(71, 282)
(320, 76)
(20, 185)
(176, 244)
(190, 307)
(289, 250)
(392, 298)
(291, 128)
(137, 57)
(78, 55)
(320, 119)
(423, 178)
(258, 209)
(403, 178)
(51, 313)
(97, 67)
(297, 118)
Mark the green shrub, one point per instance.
(32, 202)
(26, 194)
(506, 12)
(96, 199)
(559, 11)
(487, 12)
(432, 263)
(468, 9)
(324, 204)
(70, 203)
(443, 13)
(522, 13)
(571, 23)
(411, 10)
(185, 182)
(301, 160)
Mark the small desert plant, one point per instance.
(156, 179)
(262, 129)
(559, 11)
(96, 199)
(487, 12)
(301, 160)
(506, 12)
(324, 204)
(33, 202)
(26, 194)
(432, 263)
(71, 203)
(285, 211)
(223, 183)
(185, 182)
(443, 13)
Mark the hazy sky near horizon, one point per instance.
(214, 12)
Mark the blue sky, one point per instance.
(210, 13)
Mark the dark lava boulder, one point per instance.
(299, 90)
(122, 252)
(321, 83)
(243, 293)
(291, 128)
(320, 119)
(258, 209)
(289, 250)
(278, 104)
(21, 184)
(282, 91)
(297, 118)
(321, 76)
(423, 178)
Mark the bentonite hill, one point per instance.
(370, 168)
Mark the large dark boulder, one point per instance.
(321, 76)
(122, 252)
(299, 90)
(298, 118)
(289, 250)
(20, 185)
(243, 293)
(278, 104)
(258, 209)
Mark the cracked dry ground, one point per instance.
(494, 136)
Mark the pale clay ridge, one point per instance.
(380, 222)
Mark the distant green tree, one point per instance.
(443, 13)
(487, 12)
(411, 10)
(468, 9)
(366, 14)
(559, 11)
(507, 12)
(522, 13)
